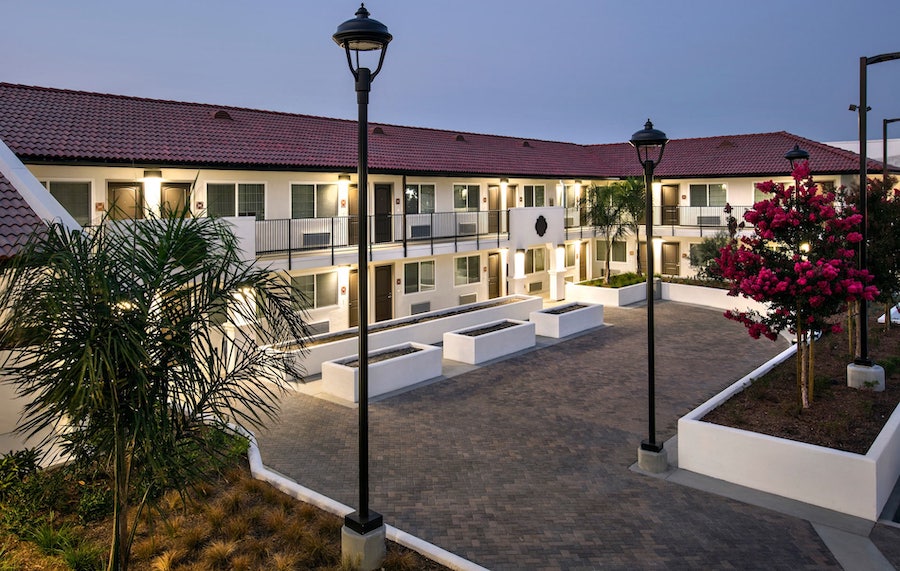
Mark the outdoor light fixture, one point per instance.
(363, 34)
(650, 144)
(152, 175)
(796, 155)
(863, 370)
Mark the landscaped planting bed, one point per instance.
(390, 369)
(565, 320)
(488, 341)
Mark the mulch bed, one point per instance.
(559, 310)
(384, 356)
(839, 417)
(488, 329)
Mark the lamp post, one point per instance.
(863, 370)
(363, 34)
(650, 144)
(885, 168)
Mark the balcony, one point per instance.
(668, 220)
(301, 235)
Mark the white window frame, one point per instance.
(470, 207)
(418, 189)
(535, 260)
(48, 182)
(237, 195)
(529, 191)
(317, 205)
(317, 301)
(419, 285)
(469, 261)
(600, 248)
(706, 193)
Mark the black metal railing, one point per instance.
(702, 217)
(317, 234)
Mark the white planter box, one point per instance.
(385, 376)
(709, 297)
(854, 484)
(613, 297)
(558, 325)
(430, 331)
(481, 348)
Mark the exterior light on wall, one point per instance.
(363, 536)
(650, 144)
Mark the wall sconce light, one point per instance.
(150, 175)
(344, 177)
(504, 181)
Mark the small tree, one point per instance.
(604, 209)
(634, 205)
(800, 260)
(129, 354)
(704, 254)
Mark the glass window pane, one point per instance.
(600, 248)
(460, 275)
(460, 196)
(326, 200)
(618, 252)
(251, 200)
(426, 198)
(410, 278)
(412, 199)
(426, 276)
(529, 261)
(326, 289)
(717, 195)
(539, 264)
(473, 192)
(220, 200)
(75, 198)
(529, 195)
(539, 195)
(474, 274)
(570, 255)
(303, 201)
(698, 195)
(306, 290)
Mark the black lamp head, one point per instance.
(362, 34)
(796, 155)
(649, 143)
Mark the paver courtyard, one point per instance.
(523, 463)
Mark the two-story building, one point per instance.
(454, 217)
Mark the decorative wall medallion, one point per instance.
(540, 226)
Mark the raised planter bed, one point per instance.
(565, 320)
(708, 296)
(423, 328)
(488, 341)
(613, 297)
(855, 484)
(390, 369)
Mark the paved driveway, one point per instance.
(523, 464)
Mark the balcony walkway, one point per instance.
(524, 463)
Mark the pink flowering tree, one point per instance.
(800, 260)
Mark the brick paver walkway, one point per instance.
(523, 464)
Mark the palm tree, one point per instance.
(632, 197)
(130, 356)
(604, 209)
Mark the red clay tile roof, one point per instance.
(57, 125)
(17, 219)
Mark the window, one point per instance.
(315, 290)
(419, 198)
(418, 276)
(75, 197)
(571, 195)
(707, 195)
(467, 270)
(618, 251)
(534, 194)
(229, 199)
(465, 197)
(822, 185)
(535, 260)
(570, 255)
(314, 200)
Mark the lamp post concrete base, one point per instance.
(865, 377)
(653, 462)
(363, 551)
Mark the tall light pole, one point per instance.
(363, 535)
(650, 144)
(863, 370)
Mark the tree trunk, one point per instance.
(851, 329)
(803, 352)
(812, 367)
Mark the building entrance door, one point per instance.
(384, 303)
(126, 200)
(353, 298)
(493, 209)
(493, 275)
(383, 201)
(670, 258)
(670, 205)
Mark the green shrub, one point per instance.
(83, 557)
(15, 466)
(618, 280)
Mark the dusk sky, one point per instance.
(583, 71)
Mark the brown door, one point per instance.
(494, 209)
(582, 261)
(510, 196)
(493, 275)
(670, 261)
(383, 201)
(384, 303)
(642, 258)
(670, 205)
(174, 196)
(353, 215)
(125, 200)
(353, 298)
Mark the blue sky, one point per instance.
(584, 71)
